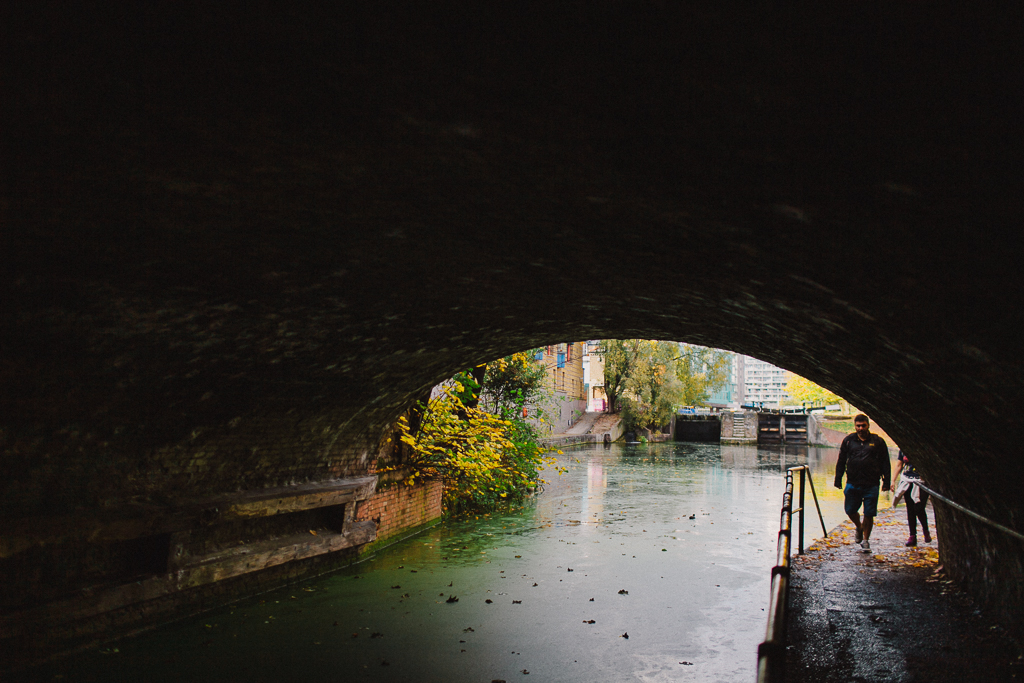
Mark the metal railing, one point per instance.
(961, 508)
(771, 654)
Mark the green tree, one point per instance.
(622, 358)
(648, 380)
(702, 371)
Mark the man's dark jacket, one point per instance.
(863, 461)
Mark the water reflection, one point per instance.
(685, 531)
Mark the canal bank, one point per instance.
(888, 616)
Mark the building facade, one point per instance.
(593, 376)
(564, 364)
(764, 384)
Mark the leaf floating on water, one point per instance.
(625, 635)
(451, 598)
(519, 557)
(393, 587)
(488, 601)
(569, 570)
(450, 584)
(517, 602)
(686, 663)
(525, 671)
(312, 532)
(468, 630)
(591, 599)
(591, 621)
(534, 585)
(623, 592)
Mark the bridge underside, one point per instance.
(238, 244)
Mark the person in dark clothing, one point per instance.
(909, 487)
(864, 457)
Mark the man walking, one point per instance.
(865, 458)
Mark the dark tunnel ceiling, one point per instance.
(225, 217)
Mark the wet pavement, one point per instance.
(642, 563)
(888, 616)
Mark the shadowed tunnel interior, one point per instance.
(239, 242)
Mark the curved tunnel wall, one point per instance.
(237, 246)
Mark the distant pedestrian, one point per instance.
(864, 457)
(908, 485)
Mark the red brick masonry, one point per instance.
(399, 507)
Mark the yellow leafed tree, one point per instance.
(481, 457)
(804, 390)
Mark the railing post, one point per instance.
(800, 542)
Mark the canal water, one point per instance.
(639, 563)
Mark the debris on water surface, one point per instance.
(517, 602)
(452, 598)
(623, 592)
(591, 621)
(625, 635)
(488, 601)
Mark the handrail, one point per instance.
(771, 654)
(961, 508)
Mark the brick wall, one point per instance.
(399, 507)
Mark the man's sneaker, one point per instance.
(927, 536)
(865, 546)
(911, 542)
(859, 536)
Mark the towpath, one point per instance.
(890, 615)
